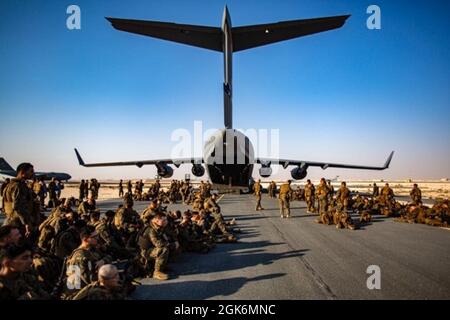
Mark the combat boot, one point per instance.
(159, 275)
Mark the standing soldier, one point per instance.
(2, 188)
(284, 199)
(40, 191)
(81, 191)
(375, 191)
(322, 196)
(330, 191)
(257, 190)
(343, 196)
(93, 188)
(18, 200)
(310, 191)
(274, 189)
(156, 187)
(121, 188)
(52, 201)
(416, 195)
(136, 190)
(86, 188)
(97, 188)
(59, 187)
(129, 187)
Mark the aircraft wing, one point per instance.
(259, 35)
(198, 36)
(324, 165)
(139, 163)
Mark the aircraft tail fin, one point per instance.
(4, 166)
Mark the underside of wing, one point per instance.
(259, 35)
(198, 36)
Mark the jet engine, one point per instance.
(265, 171)
(198, 170)
(164, 170)
(299, 173)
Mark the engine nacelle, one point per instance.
(265, 172)
(198, 170)
(299, 173)
(164, 170)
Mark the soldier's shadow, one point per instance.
(230, 257)
(196, 289)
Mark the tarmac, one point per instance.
(298, 259)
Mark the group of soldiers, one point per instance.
(336, 207)
(86, 186)
(41, 191)
(177, 191)
(83, 253)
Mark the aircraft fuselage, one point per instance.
(229, 158)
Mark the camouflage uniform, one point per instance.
(23, 286)
(284, 200)
(375, 191)
(322, 195)
(155, 246)
(2, 189)
(95, 291)
(310, 191)
(120, 189)
(40, 192)
(387, 194)
(81, 191)
(343, 197)
(111, 239)
(416, 196)
(53, 200)
(84, 260)
(20, 206)
(257, 189)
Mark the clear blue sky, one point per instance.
(349, 95)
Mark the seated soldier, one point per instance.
(87, 206)
(155, 246)
(190, 241)
(128, 222)
(16, 279)
(83, 263)
(150, 211)
(94, 218)
(108, 286)
(68, 239)
(9, 235)
(45, 267)
(110, 237)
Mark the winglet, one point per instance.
(388, 161)
(80, 160)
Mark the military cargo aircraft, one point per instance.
(228, 155)
(7, 170)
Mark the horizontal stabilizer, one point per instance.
(198, 36)
(248, 37)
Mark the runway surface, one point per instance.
(298, 259)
